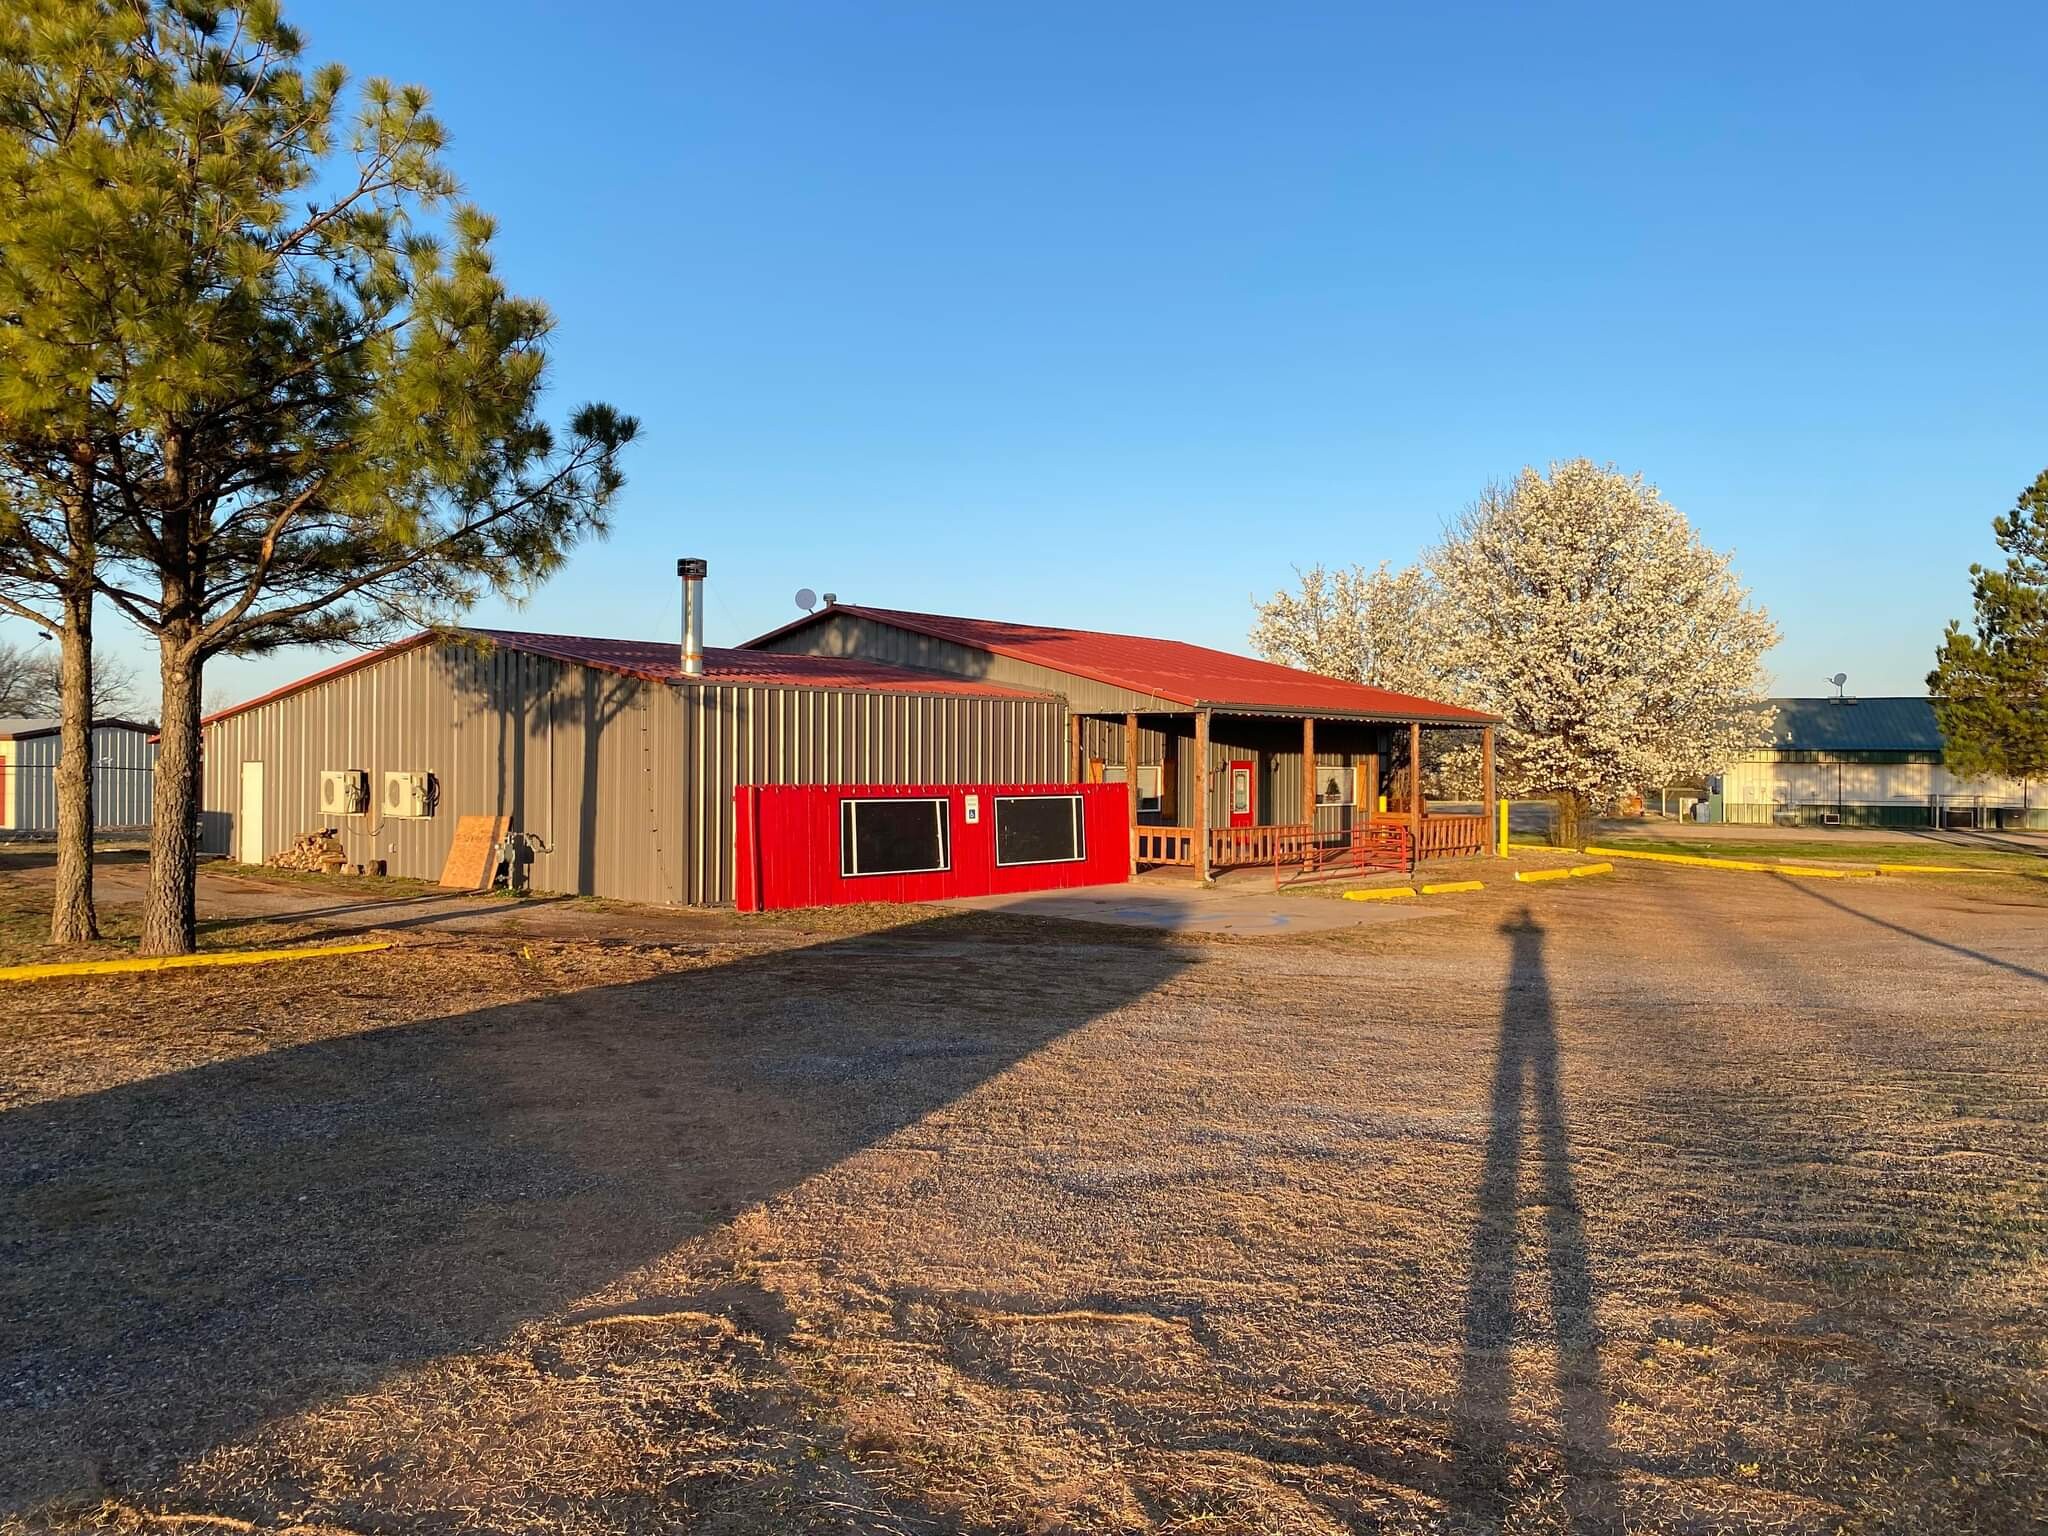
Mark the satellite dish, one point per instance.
(806, 599)
(1838, 680)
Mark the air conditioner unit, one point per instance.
(408, 795)
(344, 792)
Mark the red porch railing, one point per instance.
(1365, 849)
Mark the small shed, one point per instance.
(123, 775)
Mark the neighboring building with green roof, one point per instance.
(1863, 763)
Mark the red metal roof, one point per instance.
(661, 661)
(1168, 669)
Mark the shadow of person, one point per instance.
(186, 1256)
(1527, 1104)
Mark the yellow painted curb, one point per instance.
(1590, 869)
(1938, 869)
(1453, 885)
(1529, 876)
(1387, 893)
(1786, 867)
(1700, 861)
(179, 962)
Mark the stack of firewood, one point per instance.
(321, 851)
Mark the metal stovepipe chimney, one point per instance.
(693, 573)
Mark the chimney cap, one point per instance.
(688, 568)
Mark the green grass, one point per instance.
(1862, 851)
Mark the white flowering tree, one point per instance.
(1580, 606)
(1370, 626)
(1377, 626)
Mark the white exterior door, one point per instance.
(249, 824)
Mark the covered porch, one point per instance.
(1217, 789)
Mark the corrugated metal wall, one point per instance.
(123, 780)
(630, 781)
(589, 760)
(741, 735)
(1767, 781)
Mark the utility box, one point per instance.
(344, 792)
(408, 796)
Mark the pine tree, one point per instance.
(1991, 688)
(267, 338)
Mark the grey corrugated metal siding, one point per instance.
(123, 780)
(745, 735)
(589, 760)
(630, 781)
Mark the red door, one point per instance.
(1244, 798)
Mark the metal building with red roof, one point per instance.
(1236, 759)
(621, 759)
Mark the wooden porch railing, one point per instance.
(1443, 837)
(1165, 845)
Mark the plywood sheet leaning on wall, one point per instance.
(474, 853)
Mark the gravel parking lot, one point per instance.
(1670, 1200)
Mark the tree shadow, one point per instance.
(186, 1256)
(1527, 1100)
(1804, 888)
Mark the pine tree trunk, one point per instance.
(72, 918)
(168, 911)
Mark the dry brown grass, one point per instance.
(1655, 1203)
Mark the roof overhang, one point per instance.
(1472, 721)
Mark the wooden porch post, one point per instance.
(1487, 810)
(1131, 780)
(1308, 773)
(1202, 794)
(1077, 753)
(1415, 790)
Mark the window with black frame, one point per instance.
(895, 836)
(1039, 829)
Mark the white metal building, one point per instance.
(1863, 763)
(123, 775)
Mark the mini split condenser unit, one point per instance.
(344, 792)
(408, 795)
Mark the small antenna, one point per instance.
(806, 599)
(1839, 679)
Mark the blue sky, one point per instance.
(1111, 314)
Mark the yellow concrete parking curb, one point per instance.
(1453, 885)
(180, 962)
(1385, 893)
(1753, 866)
(1530, 876)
